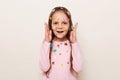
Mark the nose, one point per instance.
(60, 26)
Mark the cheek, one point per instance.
(66, 28)
(53, 28)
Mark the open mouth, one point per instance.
(60, 31)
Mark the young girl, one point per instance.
(60, 57)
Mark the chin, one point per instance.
(60, 37)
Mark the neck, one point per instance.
(60, 39)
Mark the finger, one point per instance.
(46, 30)
(75, 27)
(47, 27)
(74, 34)
(50, 35)
(71, 35)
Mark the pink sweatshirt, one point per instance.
(66, 61)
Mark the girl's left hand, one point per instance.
(73, 37)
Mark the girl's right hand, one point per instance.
(48, 33)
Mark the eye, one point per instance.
(55, 23)
(64, 23)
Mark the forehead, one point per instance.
(59, 14)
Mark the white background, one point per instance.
(22, 32)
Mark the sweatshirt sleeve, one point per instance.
(44, 56)
(77, 60)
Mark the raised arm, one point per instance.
(45, 50)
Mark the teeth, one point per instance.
(59, 31)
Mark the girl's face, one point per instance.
(60, 24)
